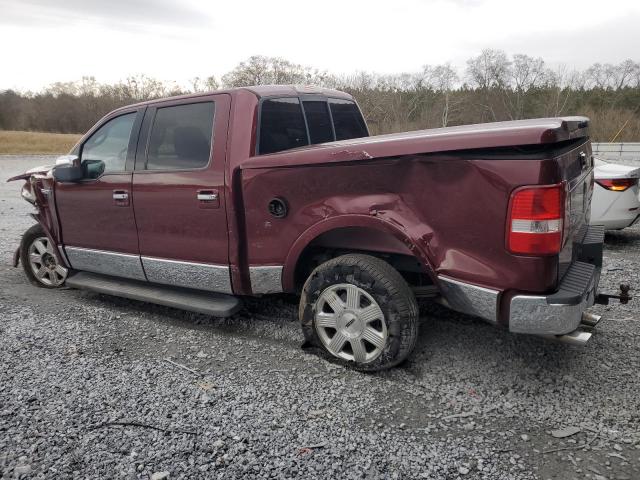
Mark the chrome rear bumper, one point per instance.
(559, 313)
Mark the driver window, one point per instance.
(106, 150)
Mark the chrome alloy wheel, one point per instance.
(350, 323)
(44, 264)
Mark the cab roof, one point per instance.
(259, 91)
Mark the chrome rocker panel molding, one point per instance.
(108, 263)
(266, 279)
(200, 276)
(470, 299)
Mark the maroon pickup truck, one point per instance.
(199, 200)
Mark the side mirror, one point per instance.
(92, 169)
(66, 160)
(68, 169)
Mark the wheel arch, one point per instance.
(345, 232)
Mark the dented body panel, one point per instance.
(447, 211)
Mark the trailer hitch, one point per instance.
(623, 296)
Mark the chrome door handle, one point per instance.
(120, 196)
(207, 197)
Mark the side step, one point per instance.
(209, 303)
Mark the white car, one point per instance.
(616, 196)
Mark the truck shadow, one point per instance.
(450, 339)
(622, 238)
(446, 340)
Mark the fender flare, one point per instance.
(343, 221)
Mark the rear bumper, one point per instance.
(556, 314)
(560, 312)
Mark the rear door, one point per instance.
(179, 193)
(98, 228)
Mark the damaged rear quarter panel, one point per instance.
(449, 211)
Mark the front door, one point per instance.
(179, 195)
(98, 228)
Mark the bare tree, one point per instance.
(489, 69)
(623, 74)
(561, 85)
(444, 78)
(260, 70)
(525, 75)
(489, 72)
(599, 75)
(496, 87)
(208, 84)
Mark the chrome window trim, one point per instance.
(109, 263)
(266, 279)
(200, 276)
(470, 299)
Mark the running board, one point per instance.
(208, 303)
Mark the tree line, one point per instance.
(492, 87)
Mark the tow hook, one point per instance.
(623, 296)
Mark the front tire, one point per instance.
(39, 260)
(359, 309)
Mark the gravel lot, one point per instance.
(86, 392)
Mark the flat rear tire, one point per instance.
(360, 311)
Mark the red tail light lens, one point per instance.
(618, 184)
(535, 220)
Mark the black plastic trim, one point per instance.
(575, 285)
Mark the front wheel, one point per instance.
(39, 260)
(359, 309)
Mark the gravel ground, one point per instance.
(86, 391)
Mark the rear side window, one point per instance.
(181, 137)
(282, 125)
(318, 120)
(347, 120)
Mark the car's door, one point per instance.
(98, 229)
(179, 194)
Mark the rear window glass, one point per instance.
(347, 120)
(181, 137)
(282, 125)
(318, 120)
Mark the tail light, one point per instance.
(618, 184)
(535, 220)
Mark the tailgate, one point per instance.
(577, 171)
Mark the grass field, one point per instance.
(22, 143)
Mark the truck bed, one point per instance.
(498, 137)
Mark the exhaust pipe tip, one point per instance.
(578, 337)
(590, 319)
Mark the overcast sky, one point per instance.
(44, 41)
